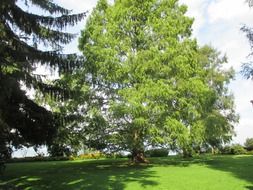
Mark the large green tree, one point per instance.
(144, 76)
(29, 40)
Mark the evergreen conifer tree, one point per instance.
(22, 34)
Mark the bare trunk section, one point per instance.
(187, 153)
(138, 156)
(138, 150)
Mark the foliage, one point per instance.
(249, 144)
(220, 116)
(22, 120)
(57, 150)
(146, 79)
(91, 155)
(161, 152)
(249, 152)
(226, 150)
(237, 149)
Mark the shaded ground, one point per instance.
(172, 173)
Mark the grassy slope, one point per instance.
(204, 173)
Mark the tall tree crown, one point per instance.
(143, 63)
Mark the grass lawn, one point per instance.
(172, 173)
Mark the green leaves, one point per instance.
(23, 120)
(134, 49)
(158, 85)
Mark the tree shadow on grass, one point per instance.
(240, 167)
(90, 175)
(114, 174)
(179, 161)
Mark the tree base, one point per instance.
(139, 158)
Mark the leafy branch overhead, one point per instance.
(23, 121)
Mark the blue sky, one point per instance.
(217, 23)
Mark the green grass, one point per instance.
(172, 173)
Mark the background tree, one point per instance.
(22, 120)
(249, 144)
(144, 76)
(220, 116)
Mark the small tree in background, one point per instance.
(249, 144)
(220, 116)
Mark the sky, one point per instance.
(216, 23)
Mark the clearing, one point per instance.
(171, 173)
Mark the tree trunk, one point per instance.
(137, 148)
(138, 156)
(187, 153)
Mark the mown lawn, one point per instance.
(172, 173)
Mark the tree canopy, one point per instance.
(148, 82)
(143, 80)
(22, 120)
(220, 116)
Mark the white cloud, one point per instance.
(78, 5)
(229, 39)
(196, 9)
(227, 10)
(243, 94)
(231, 11)
(243, 131)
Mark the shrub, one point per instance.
(91, 155)
(249, 144)
(37, 159)
(237, 149)
(157, 152)
(116, 155)
(249, 152)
